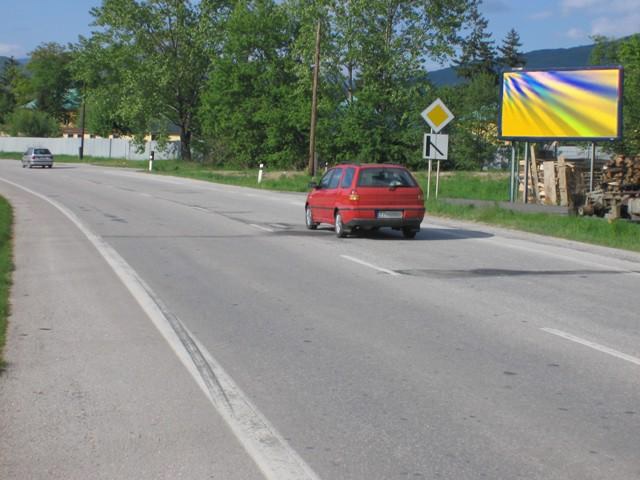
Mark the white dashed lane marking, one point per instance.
(595, 346)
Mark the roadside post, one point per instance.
(260, 173)
(513, 173)
(151, 157)
(435, 146)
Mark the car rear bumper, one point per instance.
(386, 222)
(39, 162)
(368, 218)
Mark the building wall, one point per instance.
(93, 147)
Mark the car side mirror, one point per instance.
(314, 185)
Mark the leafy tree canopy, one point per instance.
(148, 62)
(50, 79)
(624, 52)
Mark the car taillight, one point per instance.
(421, 196)
(353, 196)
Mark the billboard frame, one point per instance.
(565, 69)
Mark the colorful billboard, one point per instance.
(577, 104)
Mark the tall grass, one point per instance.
(471, 185)
(598, 231)
(6, 268)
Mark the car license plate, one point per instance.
(389, 213)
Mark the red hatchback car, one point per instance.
(352, 197)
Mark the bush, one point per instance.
(32, 123)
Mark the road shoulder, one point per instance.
(91, 389)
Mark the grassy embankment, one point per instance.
(477, 186)
(6, 268)
(618, 234)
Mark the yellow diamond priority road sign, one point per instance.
(437, 115)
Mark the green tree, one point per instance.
(373, 79)
(8, 78)
(50, 79)
(31, 123)
(629, 55)
(625, 52)
(473, 133)
(149, 61)
(478, 52)
(251, 108)
(510, 54)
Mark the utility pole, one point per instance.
(314, 106)
(84, 111)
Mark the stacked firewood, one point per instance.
(621, 172)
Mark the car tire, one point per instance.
(308, 219)
(341, 232)
(409, 233)
(24, 165)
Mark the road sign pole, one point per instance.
(429, 179)
(437, 178)
(437, 116)
(430, 170)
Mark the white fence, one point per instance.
(93, 147)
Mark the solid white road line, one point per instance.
(269, 450)
(370, 265)
(595, 346)
(260, 227)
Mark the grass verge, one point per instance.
(470, 185)
(283, 181)
(6, 269)
(598, 231)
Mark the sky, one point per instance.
(541, 23)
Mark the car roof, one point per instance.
(369, 165)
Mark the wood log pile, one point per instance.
(621, 172)
(559, 182)
(551, 182)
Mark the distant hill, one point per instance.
(4, 60)
(550, 58)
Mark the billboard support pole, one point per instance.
(513, 168)
(593, 161)
(526, 172)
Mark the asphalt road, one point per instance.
(470, 352)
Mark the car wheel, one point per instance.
(339, 226)
(24, 165)
(409, 232)
(308, 218)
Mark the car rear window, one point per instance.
(348, 177)
(41, 151)
(385, 177)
